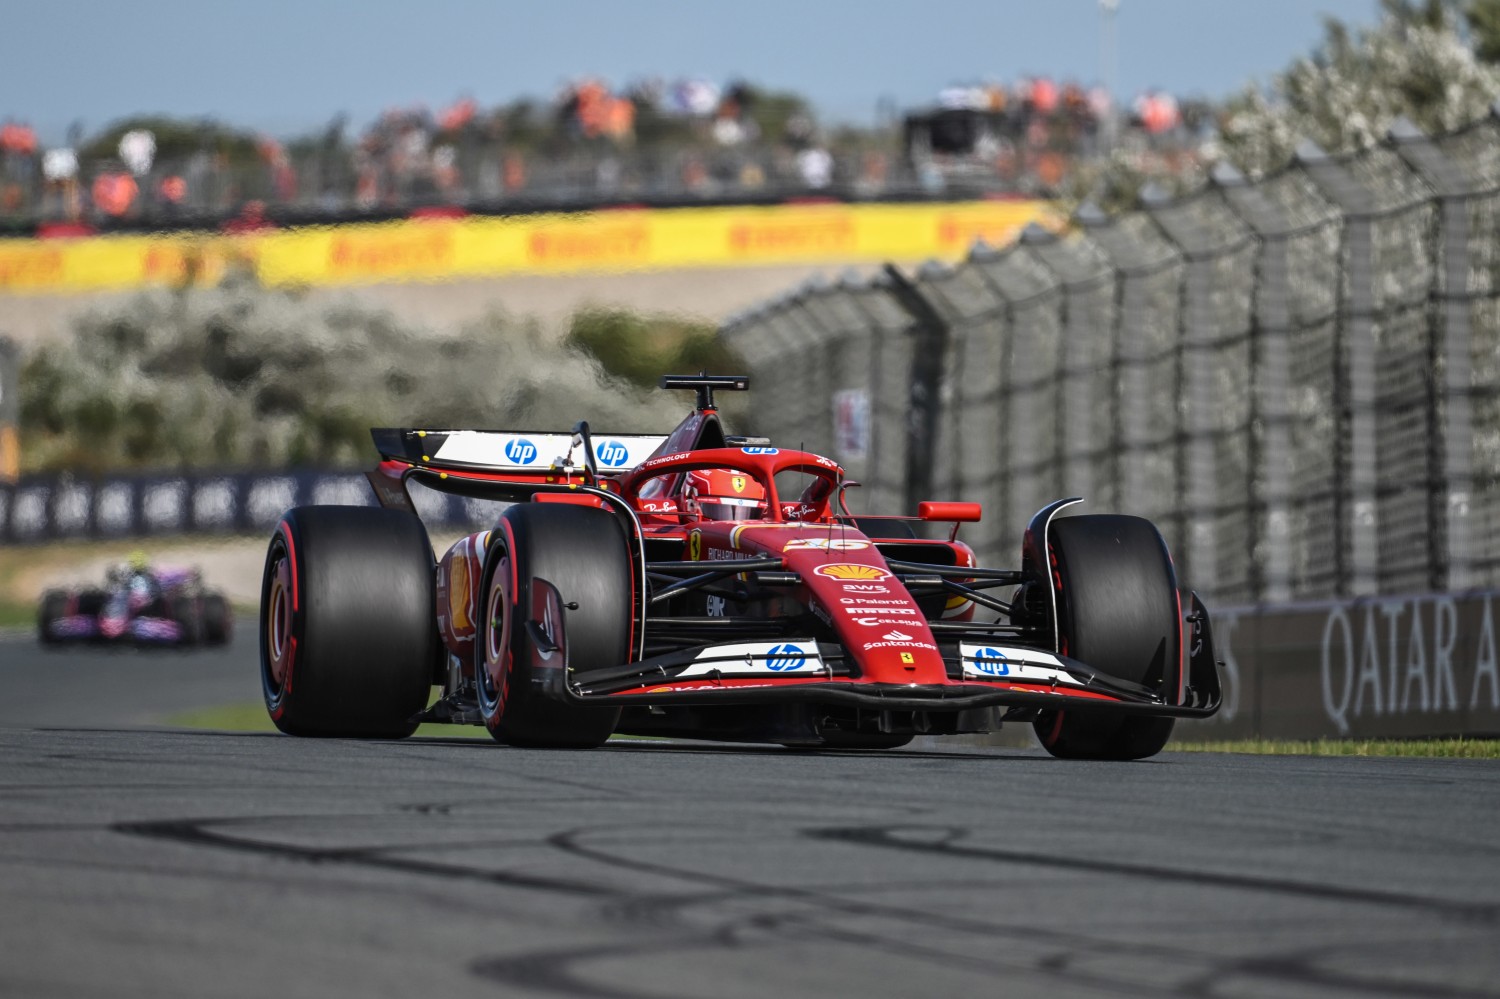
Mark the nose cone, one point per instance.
(875, 618)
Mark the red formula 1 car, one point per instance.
(667, 585)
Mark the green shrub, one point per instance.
(242, 376)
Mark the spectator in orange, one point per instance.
(172, 191)
(252, 218)
(513, 172)
(18, 150)
(114, 191)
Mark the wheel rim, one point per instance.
(492, 677)
(280, 645)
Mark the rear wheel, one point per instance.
(54, 605)
(188, 614)
(348, 628)
(218, 622)
(582, 552)
(1117, 610)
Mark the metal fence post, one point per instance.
(931, 334)
(1357, 351)
(1452, 436)
(1213, 359)
(1268, 547)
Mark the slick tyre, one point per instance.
(1118, 611)
(582, 552)
(54, 605)
(348, 629)
(188, 613)
(218, 622)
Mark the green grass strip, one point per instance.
(16, 615)
(252, 717)
(1469, 749)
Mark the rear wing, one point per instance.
(512, 452)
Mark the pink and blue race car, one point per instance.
(139, 604)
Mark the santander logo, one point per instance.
(896, 636)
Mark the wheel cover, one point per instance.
(280, 645)
(493, 676)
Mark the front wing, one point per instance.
(805, 669)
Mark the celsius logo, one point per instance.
(783, 658)
(991, 662)
(613, 454)
(521, 451)
(761, 450)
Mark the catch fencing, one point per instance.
(1297, 379)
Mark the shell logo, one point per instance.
(848, 570)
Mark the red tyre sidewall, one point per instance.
(281, 614)
(495, 652)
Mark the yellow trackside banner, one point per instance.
(438, 249)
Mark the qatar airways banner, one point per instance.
(1374, 667)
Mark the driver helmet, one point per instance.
(725, 494)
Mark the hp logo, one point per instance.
(761, 450)
(520, 451)
(991, 662)
(613, 454)
(783, 658)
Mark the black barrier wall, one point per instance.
(1297, 379)
(40, 509)
(1386, 667)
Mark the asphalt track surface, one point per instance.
(141, 861)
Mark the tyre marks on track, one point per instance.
(674, 912)
(947, 844)
(209, 833)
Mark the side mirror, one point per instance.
(958, 513)
(964, 513)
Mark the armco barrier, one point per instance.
(38, 509)
(1381, 667)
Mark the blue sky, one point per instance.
(287, 67)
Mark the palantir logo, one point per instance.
(520, 451)
(991, 662)
(613, 454)
(783, 658)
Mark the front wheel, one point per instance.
(1117, 611)
(582, 552)
(348, 628)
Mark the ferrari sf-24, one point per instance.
(667, 586)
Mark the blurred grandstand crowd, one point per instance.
(685, 142)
